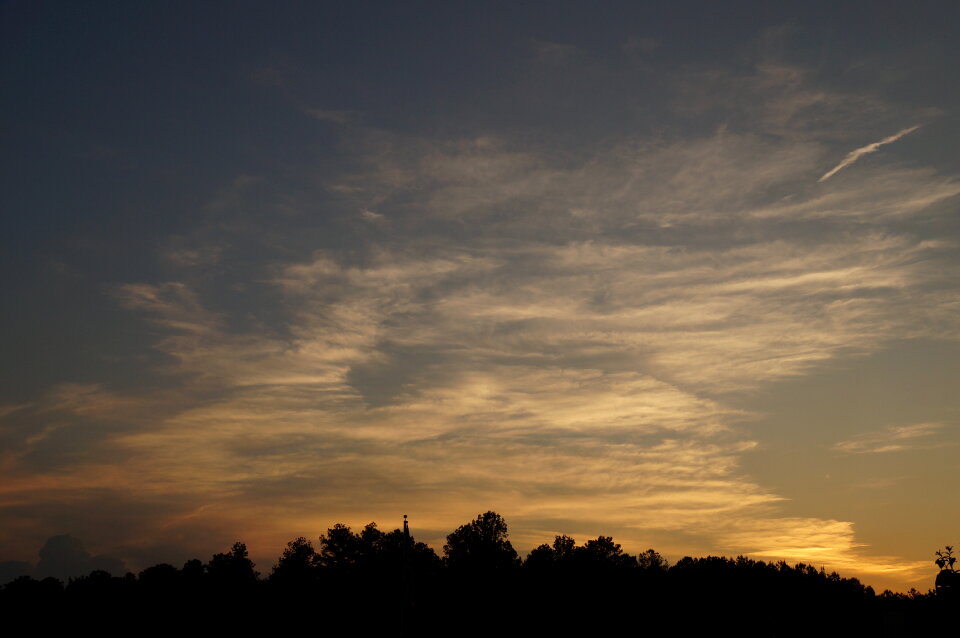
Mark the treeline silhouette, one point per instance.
(372, 582)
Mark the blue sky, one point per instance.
(682, 273)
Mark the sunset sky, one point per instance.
(685, 273)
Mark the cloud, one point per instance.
(558, 333)
(896, 438)
(551, 380)
(173, 305)
(637, 47)
(330, 115)
(372, 217)
(565, 358)
(817, 542)
(554, 51)
(855, 155)
(64, 557)
(632, 189)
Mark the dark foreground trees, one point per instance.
(372, 582)
(233, 568)
(372, 550)
(297, 565)
(481, 545)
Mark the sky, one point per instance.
(682, 273)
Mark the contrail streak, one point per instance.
(853, 156)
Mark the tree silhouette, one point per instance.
(391, 549)
(603, 553)
(652, 560)
(233, 567)
(339, 548)
(540, 557)
(563, 547)
(375, 581)
(297, 564)
(481, 545)
(159, 578)
(371, 548)
(544, 556)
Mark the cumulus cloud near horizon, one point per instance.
(62, 557)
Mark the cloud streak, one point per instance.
(892, 439)
(855, 155)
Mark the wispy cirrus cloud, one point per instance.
(896, 438)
